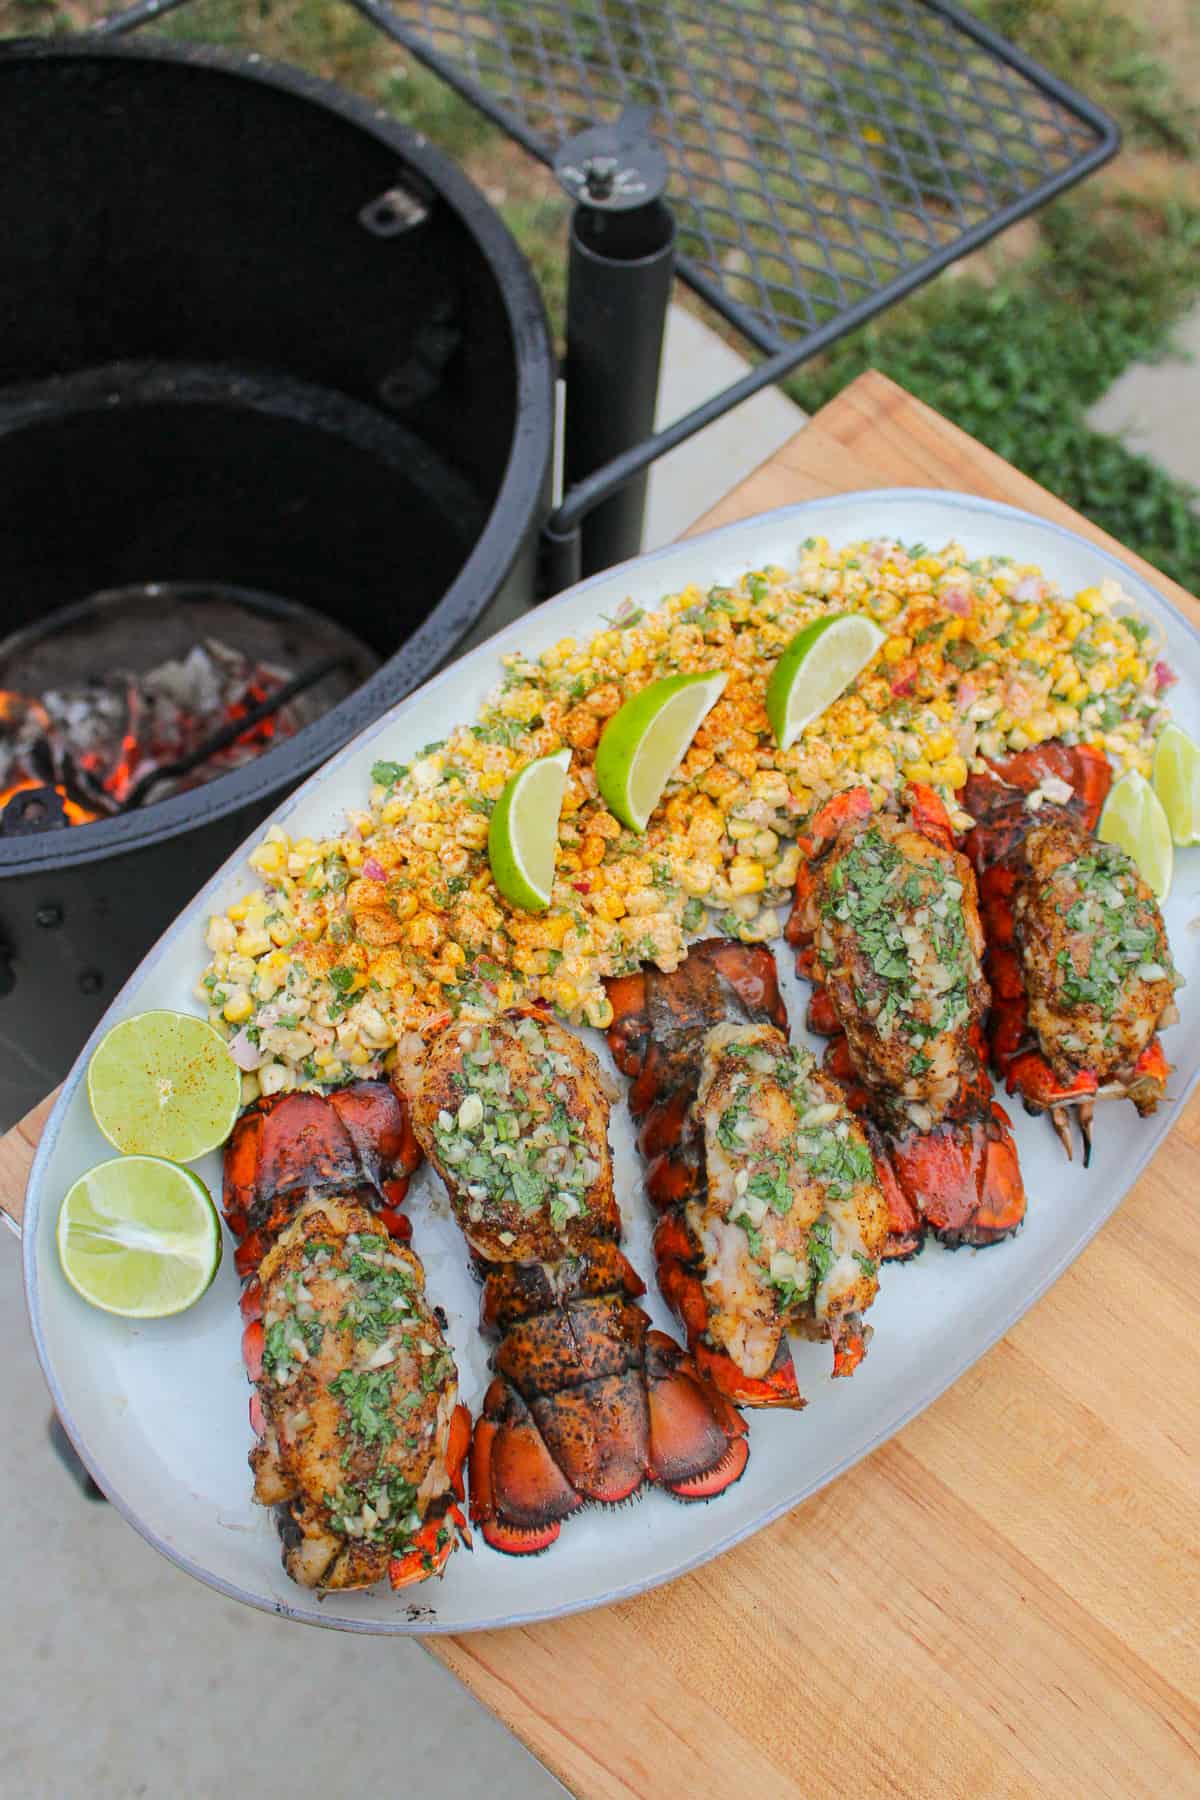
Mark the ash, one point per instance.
(99, 740)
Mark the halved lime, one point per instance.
(139, 1236)
(1177, 783)
(523, 833)
(164, 1084)
(1134, 820)
(645, 742)
(819, 664)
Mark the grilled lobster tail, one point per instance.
(887, 928)
(656, 1035)
(361, 1442)
(588, 1403)
(1077, 954)
(770, 1218)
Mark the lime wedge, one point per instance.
(819, 664)
(1134, 820)
(645, 742)
(164, 1084)
(523, 833)
(1177, 783)
(139, 1236)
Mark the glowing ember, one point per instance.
(76, 815)
(95, 743)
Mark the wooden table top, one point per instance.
(1003, 1600)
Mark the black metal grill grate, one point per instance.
(822, 151)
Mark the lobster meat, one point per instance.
(588, 1402)
(771, 1218)
(361, 1440)
(1077, 954)
(887, 928)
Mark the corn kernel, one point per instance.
(938, 745)
(918, 771)
(221, 934)
(896, 649)
(746, 876)
(951, 772)
(598, 1011)
(784, 873)
(253, 943)
(270, 858)
(237, 1007)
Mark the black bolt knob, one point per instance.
(90, 981)
(614, 168)
(49, 917)
(599, 174)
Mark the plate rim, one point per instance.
(923, 1397)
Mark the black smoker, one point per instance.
(253, 336)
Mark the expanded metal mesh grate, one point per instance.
(821, 151)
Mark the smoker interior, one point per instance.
(212, 368)
(167, 473)
(254, 335)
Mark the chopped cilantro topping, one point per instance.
(366, 1397)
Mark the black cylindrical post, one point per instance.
(619, 284)
(622, 258)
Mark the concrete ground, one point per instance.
(121, 1676)
(1153, 407)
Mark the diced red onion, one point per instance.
(246, 1055)
(956, 599)
(1164, 675)
(373, 870)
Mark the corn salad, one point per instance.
(350, 942)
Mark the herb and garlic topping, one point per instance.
(357, 1382)
(793, 1222)
(900, 945)
(1097, 965)
(514, 1119)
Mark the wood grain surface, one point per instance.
(1003, 1601)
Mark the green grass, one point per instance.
(1110, 57)
(1019, 363)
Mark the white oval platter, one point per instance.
(159, 1411)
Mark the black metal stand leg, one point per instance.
(67, 1455)
(619, 284)
(622, 261)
